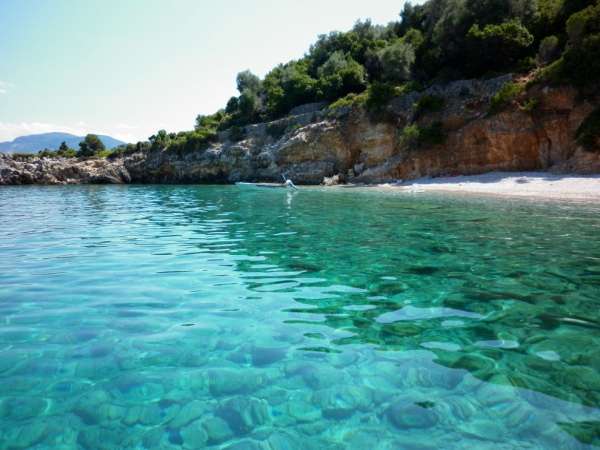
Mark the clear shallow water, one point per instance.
(171, 316)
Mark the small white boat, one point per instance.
(261, 185)
(287, 184)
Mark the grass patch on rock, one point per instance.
(415, 136)
(505, 96)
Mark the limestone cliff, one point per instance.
(534, 132)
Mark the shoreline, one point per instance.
(534, 185)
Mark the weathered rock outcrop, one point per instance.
(19, 170)
(315, 143)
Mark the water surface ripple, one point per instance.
(219, 317)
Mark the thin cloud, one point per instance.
(5, 86)
(9, 131)
(12, 130)
(125, 126)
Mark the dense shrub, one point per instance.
(287, 86)
(530, 105)
(379, 95)
(23, 156)
(277, 129)
(409, 137)
(588, 133)
(549, 50)
(63, 152)
(397, 60)
(128, 149)
(433, 134)
(192, 141)
(429, 103)
(339, 76)
(415, 136)
(90, 146)
(349, 100)
(496, 46)
(506, 95)
(581, 62)
(237, 133)
(582, 23)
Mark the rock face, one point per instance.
(15, 170)
(315, 145)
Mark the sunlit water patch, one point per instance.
(171, 316)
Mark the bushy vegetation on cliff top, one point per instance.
(440, 40)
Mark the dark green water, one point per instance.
(170, 316)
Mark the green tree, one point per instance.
(248, 105)
(549, 50)
(397, 60)
(160, 140)
(340, 75)
(487, 12)
(246, 80)
(232, 105)
(288, 86)
(90, 146)
(581, 62)
(497, 47)
(65, 151)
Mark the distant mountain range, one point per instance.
(36, 142)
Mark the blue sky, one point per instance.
(130, 67)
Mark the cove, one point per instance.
(219, 317)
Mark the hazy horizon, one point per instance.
(127, 70)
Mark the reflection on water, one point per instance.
(169, 317)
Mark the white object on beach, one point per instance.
(289, 184)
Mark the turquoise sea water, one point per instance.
(190, 317)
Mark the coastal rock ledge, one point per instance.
(319, 144)
(19, 170)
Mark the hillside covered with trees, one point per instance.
(556, 41)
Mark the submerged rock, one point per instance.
(263, 356)
(95, 437)
(217, 430)
(409, 415)
(340, 402)
(301, 409)
(25, 436)
(21, 408)
(486, 430)
(95, 408)
(152, 437)
(283, 440)
(243, 414)
(194, 435)
(149, 414)
(320, 377)
(246, 444)
(229, 381)
(189, 412)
